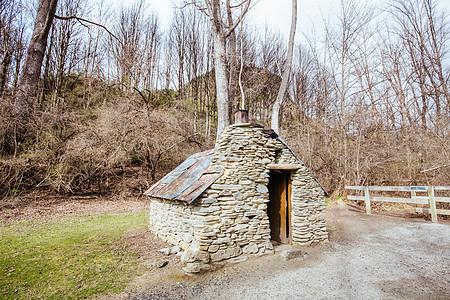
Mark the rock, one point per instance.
(213, 248)
(235, 251)
(187, 238)
(266, 161)
(245, 182)
(194, 254)
(165, 251)
(209, 200)
(175, 249)
(226, 187)
(162, 263)
(293, 253)
(224, 240)
(238, 195)
(262, 206)
(196, 267)
(250, 214)
(208, 210)
(262, 189)
(250, 249)
(238, 259)
(226, 253)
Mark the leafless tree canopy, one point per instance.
(366, 104)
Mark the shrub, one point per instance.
(126, 134)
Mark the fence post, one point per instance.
(413, 195)
(367, 199)
(432, 203)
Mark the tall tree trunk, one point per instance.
(29, 79)
(221, 31)
(232, 62)
(4, 70)
(223, 111)
(287, 69)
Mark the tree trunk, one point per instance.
(223, 115)
(223, 112)
(29, 79)
(4, 70)
(232, 62)
(286, 71)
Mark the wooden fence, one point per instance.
(429, 197)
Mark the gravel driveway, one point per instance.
(409, 261)
(370, 257)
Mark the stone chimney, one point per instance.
(241, 116)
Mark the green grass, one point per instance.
(67, 257)
(334, 198)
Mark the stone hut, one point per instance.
(238, 199)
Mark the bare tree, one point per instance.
(29, 78)
(19, 53)
(8, 36)
(126, 51)
(286, 71)
(303, 82)
(425, 36)
(178, 35)
(93, 54)
(396, 73)
(65, 43)
(221, 30)
(232, 61)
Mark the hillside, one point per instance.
(113, 142)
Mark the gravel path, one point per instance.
(409, 261)
(370, 257)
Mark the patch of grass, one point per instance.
(335, 198)
(67, 257)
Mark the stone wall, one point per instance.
(172, 221)
(229, 220)
(307, 202)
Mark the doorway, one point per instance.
(279, 206)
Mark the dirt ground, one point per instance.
(369, 257)
(37, 205)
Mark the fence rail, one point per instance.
(430, 199)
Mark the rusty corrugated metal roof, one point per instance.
(187, 181)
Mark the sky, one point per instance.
(275, 13)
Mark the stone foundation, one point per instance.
(229, 219)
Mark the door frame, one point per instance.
(279, 210)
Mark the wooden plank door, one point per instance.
(278, 209)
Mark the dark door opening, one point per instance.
(279, 206)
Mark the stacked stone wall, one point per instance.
(172, 221)
(229, 220)
(307, 203)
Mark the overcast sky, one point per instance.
(276, 13)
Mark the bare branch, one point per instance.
(434, 168)
(87, 21)
(231, 27)
(200, 8)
